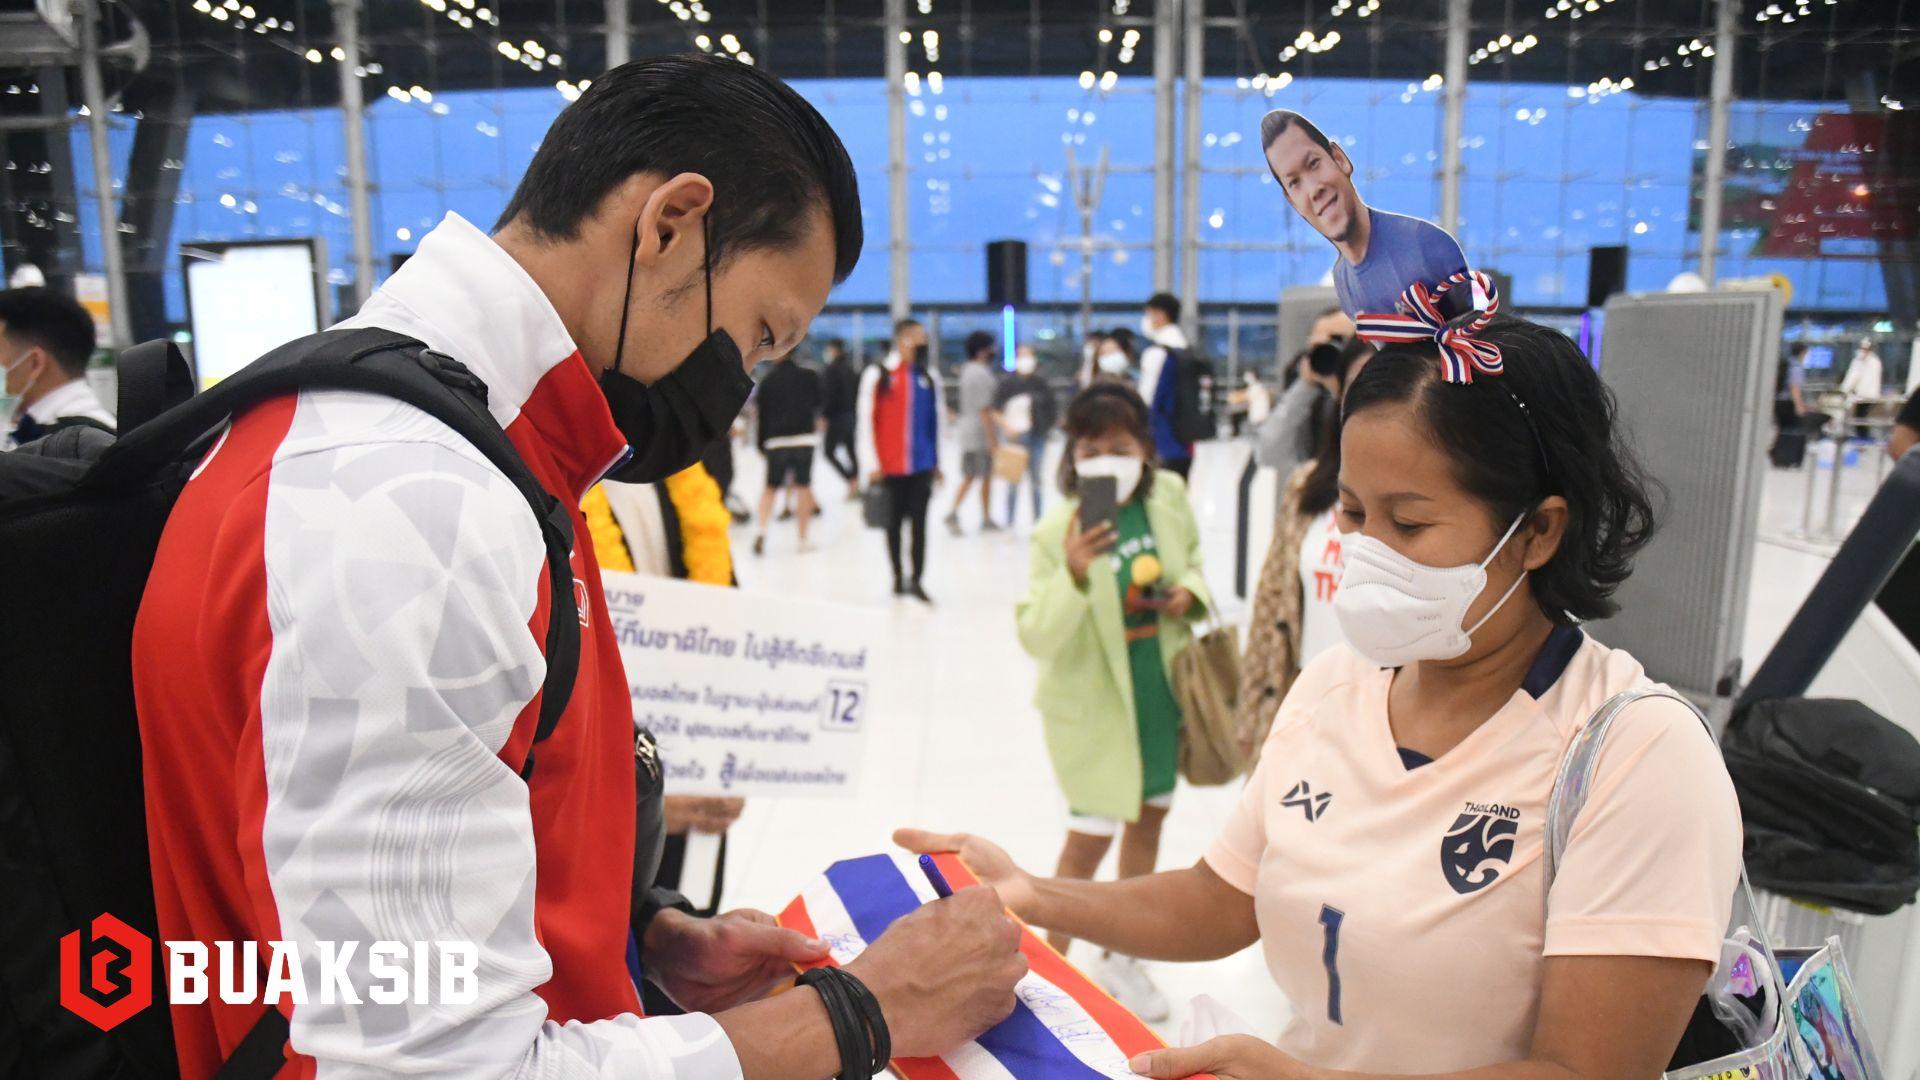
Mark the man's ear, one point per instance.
(1341, 159)
(672, 218)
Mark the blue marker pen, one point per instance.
(940, 887)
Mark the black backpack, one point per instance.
(81, 514)
(1830, 799)
(1195, 416)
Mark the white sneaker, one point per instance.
(1127, 981)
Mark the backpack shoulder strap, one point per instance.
(153, 377)
(392, 365)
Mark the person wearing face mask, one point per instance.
(899, 443)
(47, 338)
(1291, 433)
(1024, 409)
(1160, 386)
(1108, 607)
(1387, 853)
(1293, 605)
(338, 655)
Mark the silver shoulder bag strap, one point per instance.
(1575, 782)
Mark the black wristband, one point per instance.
(881, 1038)
(849, 1032)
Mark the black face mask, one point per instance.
(670, 424)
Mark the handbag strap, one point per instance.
(1574, 783)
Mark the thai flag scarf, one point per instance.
(1063, 1025)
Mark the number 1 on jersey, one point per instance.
(1330, 919)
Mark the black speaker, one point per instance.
(1007, 272)
(1606, 273)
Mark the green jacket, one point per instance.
(1085, 695)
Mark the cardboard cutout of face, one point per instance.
(1380, 254)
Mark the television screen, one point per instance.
(245, 299)
(1819, 357)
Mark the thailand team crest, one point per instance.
(1477, 849)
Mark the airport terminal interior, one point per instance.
(1712, 204)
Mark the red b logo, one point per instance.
(111, 978)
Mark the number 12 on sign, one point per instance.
(1330, 920)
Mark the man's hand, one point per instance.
(944, 973)
(701, 813)
(709, 965)
(992, 865)
(1230, 1057)
(876, 478)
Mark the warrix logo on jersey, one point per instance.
(1302, 797)
(1477, 849)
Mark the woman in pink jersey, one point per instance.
(1386, 854)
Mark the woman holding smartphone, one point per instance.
(1387, 854)
(1115, 584)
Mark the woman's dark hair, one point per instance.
(1566, 442)
(770, 155)
(1322, 488)
(1098, 410)
(978, 342)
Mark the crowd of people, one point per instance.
(332, 760)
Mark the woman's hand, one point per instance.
(993, 866)
(1083, 547)
(1177, 602)
(1230, 1057)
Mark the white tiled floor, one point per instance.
(960, 747)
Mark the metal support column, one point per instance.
(1166, 30)
(94, 92)
(898, 302)
(1719, 112)
(619, 37)
(1194, 13)
(1459, 17)
(346, 34)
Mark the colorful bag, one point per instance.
(1792, 1013)
(1062, 1026)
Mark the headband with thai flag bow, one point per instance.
(1460, 351)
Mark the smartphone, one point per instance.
(1099, 502)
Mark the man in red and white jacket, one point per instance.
(338, 658)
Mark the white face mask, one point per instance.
(1396, 612)
(1113, 363)
(1025, 364)
(1146, 327)
(10, 401)
(1124, 468)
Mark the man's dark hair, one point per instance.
(979, 342)
(771, 157)
(52, 321)
(1275, 124)
(1573, 447)
(901, 327)
(1166, 304)
(1097, 410)
(1797, 350)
